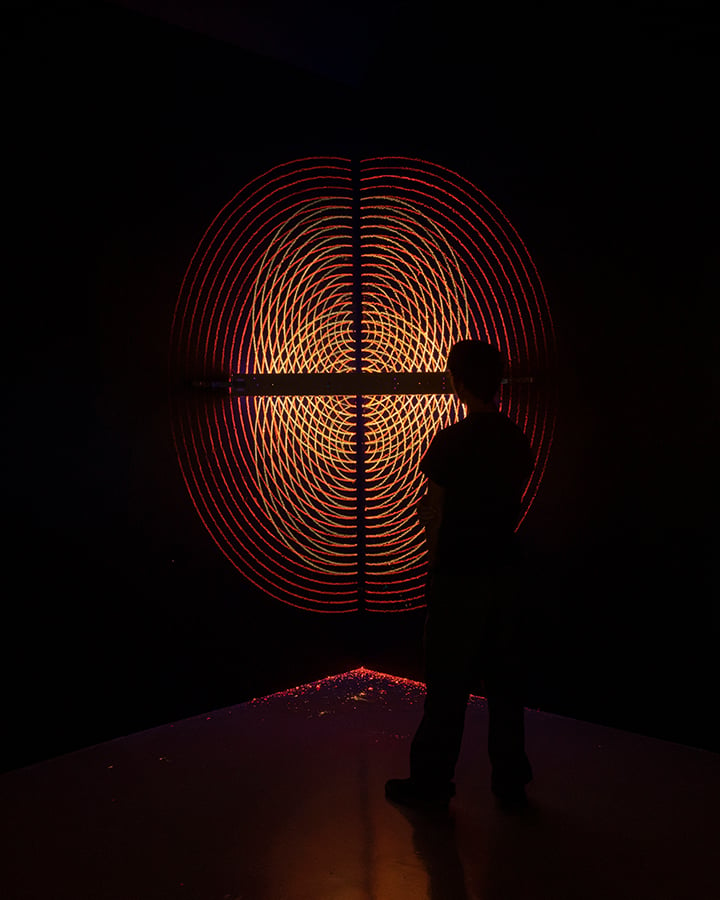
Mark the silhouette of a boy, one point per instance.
(478, 469)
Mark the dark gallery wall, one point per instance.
(127, 133)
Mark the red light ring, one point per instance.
(270, 289)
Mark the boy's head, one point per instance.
(478, 367)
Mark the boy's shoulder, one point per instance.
(488, 429)
(496, 422)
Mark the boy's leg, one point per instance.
(505, 684)
(436, 745)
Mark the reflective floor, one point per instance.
(282, 798)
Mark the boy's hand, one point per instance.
(426, 511)
(429, 510)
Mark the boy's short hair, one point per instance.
(479, 366)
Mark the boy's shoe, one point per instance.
(421, 796)
(510, 799)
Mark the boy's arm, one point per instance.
(429, 510)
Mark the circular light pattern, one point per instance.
(318, 267)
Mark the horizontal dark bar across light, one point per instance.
(304, 384)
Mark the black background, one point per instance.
(127, 129)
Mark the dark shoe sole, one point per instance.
(513, 800)
(407, 793)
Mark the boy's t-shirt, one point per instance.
(483, 462)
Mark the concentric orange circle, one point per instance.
(312, 498)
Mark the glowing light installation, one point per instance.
(321, 266)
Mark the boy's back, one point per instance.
(483, 463)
